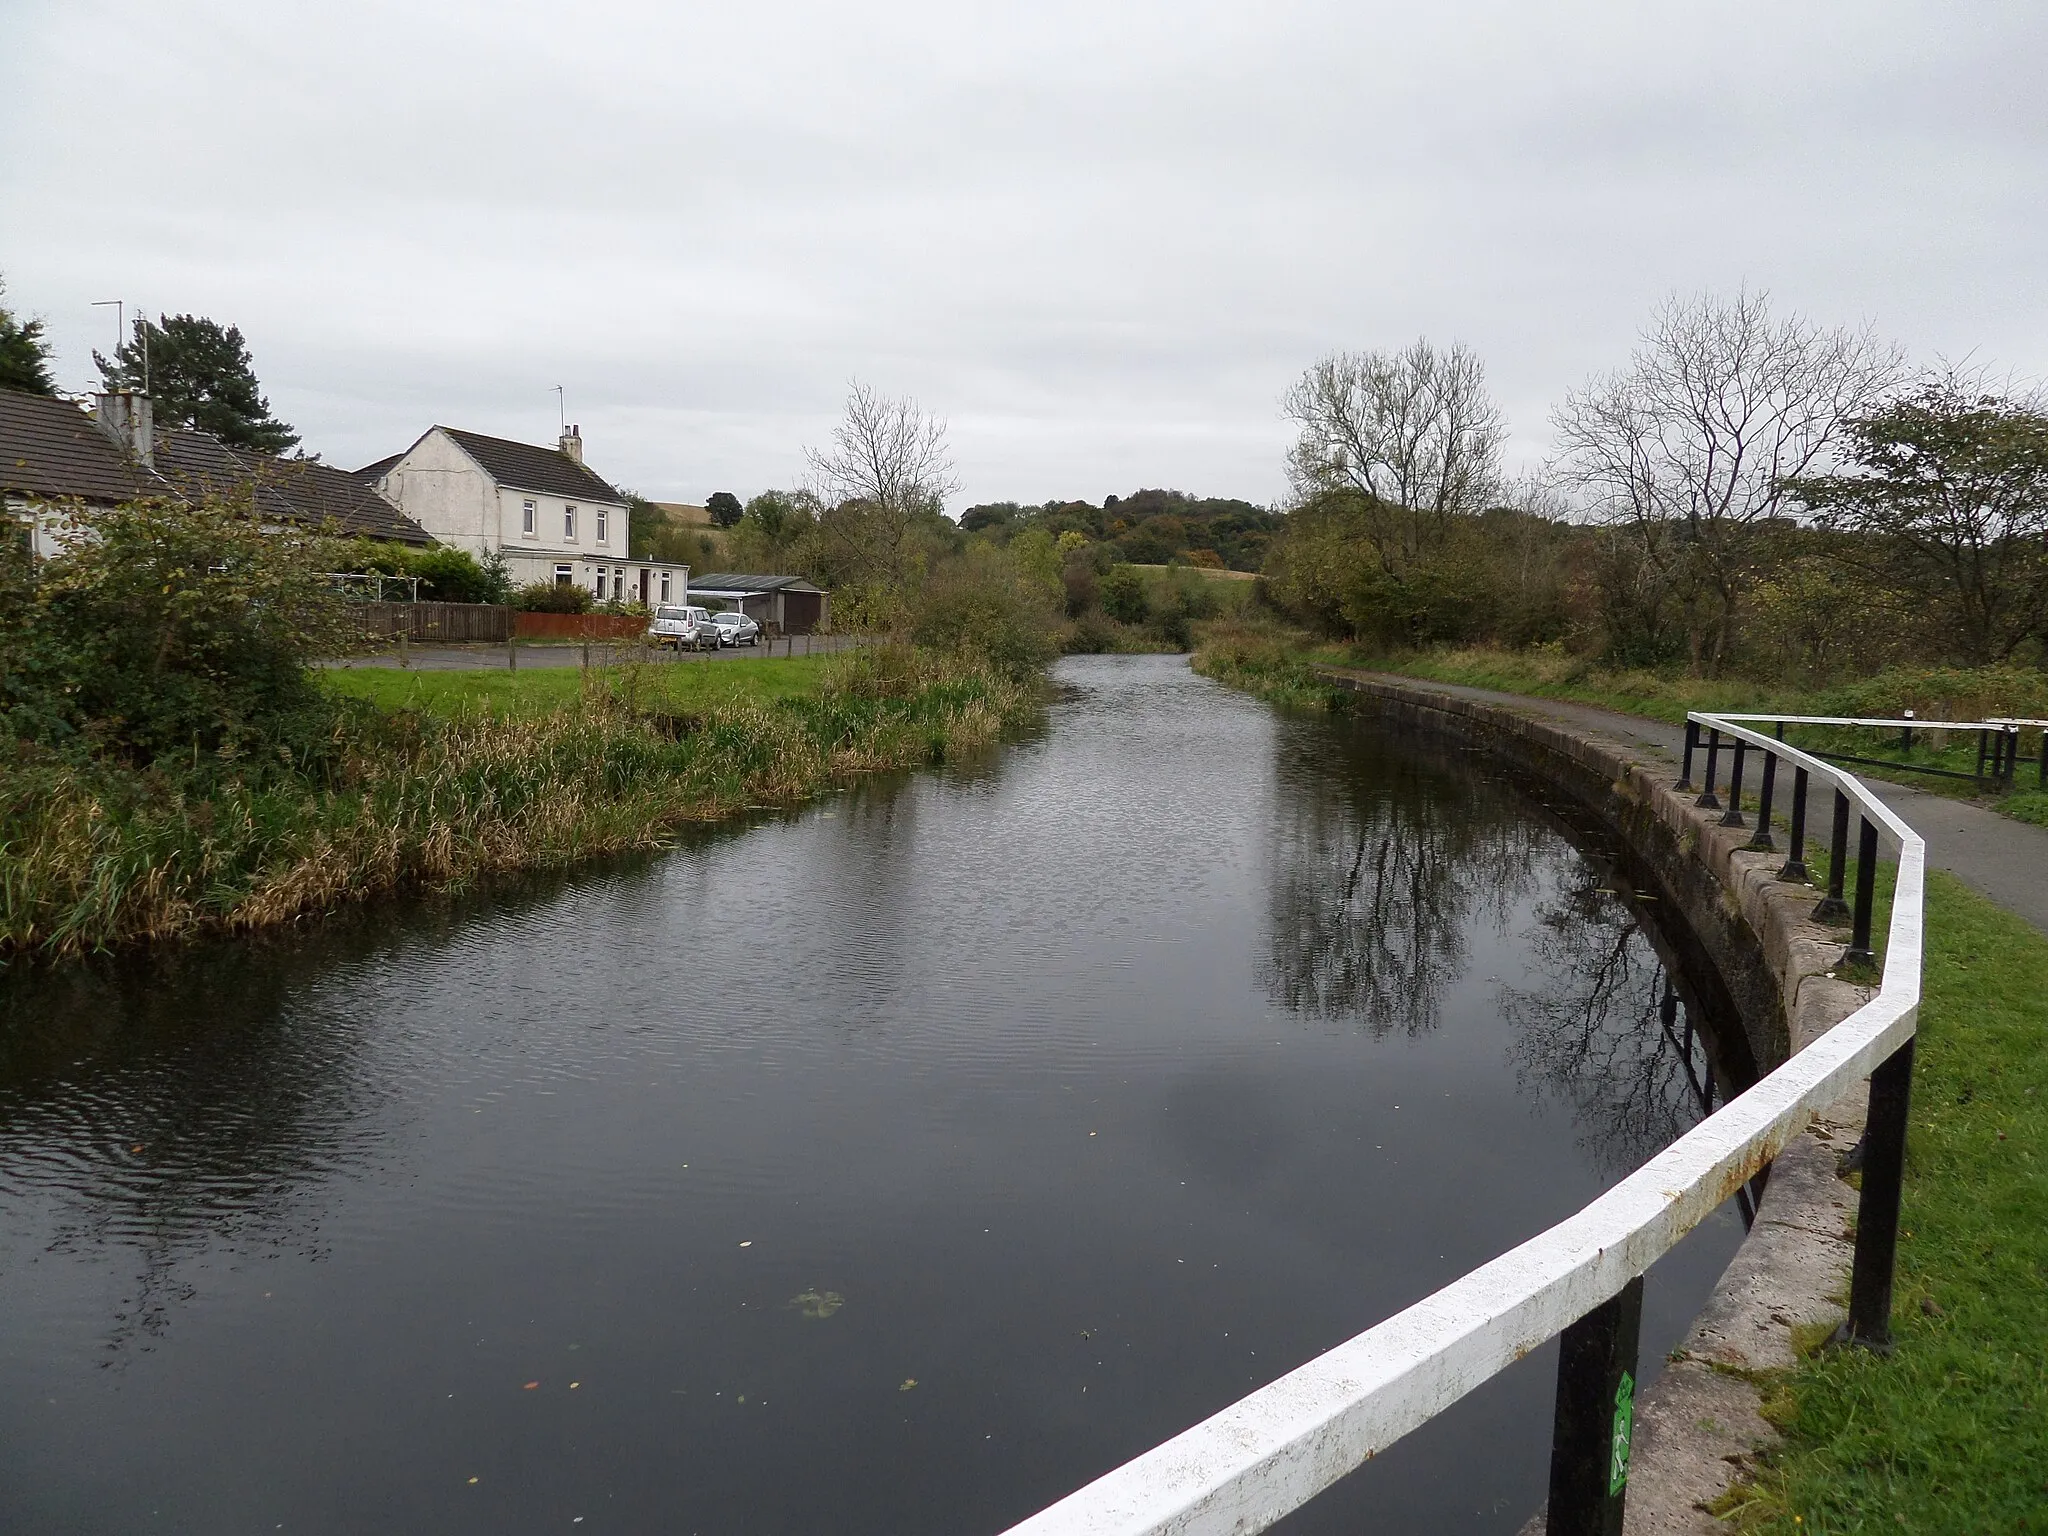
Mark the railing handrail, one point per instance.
(1270, 1452)
(1906, 723)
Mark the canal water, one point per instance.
(894, 1166)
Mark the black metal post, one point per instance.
(1866, 895)
(1708, 800)
(1733, 816)
(1832, 909)
(2044, 759)
(1595, 1422)
(1877, 1206)
(1761, 841)
(1795, 859)
(1692, 741)
(1983, 747)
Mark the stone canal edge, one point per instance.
(1699, 1423)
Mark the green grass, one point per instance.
(1950, 1433)
(542, 690)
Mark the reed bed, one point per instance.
(98, 856)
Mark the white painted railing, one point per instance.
(1271, 1452)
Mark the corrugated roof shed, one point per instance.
(527, 468)
(741, 581)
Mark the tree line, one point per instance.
(1748, 491)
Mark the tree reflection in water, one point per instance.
(1386, 858)
(1381, 860)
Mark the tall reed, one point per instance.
(96, 855)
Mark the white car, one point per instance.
(685, 628)
(737, 628)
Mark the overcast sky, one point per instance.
(1100, 238)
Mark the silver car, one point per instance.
(736, 628)
(685, 628)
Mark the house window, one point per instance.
(568, 522)
(664, 586)
(603, 525)
(600, 583)
(565, 575)
(529, 515)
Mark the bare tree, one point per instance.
(1413, 434)
(887, 469)
(1690, 446)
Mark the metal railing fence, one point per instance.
(1274, 1450)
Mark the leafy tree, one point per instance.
(200, 375)
(776, 527)
(725, 509)
(1950, 490)
(24, 354)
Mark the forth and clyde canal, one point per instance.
(893, 1166)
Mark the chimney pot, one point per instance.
(572, 443)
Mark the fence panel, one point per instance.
(438, 621)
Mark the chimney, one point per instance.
(127, 417)
(572, 442)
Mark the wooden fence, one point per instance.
(440, 621)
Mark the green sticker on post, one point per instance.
(1624, 1429)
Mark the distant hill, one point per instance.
(1149, 527)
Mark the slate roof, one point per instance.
(376, 471)
(527, 468)
(739, 581)
(51, 448)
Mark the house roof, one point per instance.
(740, 581)
(293, 490)
(527, 468)
(50, 447)
(376, 471)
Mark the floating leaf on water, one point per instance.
(818, 1305)
(908, 1383)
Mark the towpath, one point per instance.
(2006, 860)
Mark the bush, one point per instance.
(981, 604)
(551, 597)
(1122, 594)
(171, 631)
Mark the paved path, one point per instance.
(2007, 860)
(491, 657)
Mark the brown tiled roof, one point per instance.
(527, 468)
(51, 448)
(293, 490)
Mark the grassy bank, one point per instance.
(544, 690)
(450, 788)
(1951, 1432)
(1279, 666)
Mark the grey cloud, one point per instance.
(1101, 239)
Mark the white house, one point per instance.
(549, 515)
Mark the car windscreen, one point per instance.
(669, 613)
(725, 618)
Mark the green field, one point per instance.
(689, 686)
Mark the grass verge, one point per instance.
(447, 790)
(1950, 1433)
(544, 690)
